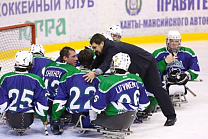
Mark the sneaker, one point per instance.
(170, 122)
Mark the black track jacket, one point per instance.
(140, 58)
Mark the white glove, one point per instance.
(170, 58)
(93, 115)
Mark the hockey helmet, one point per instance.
(173, 35)
(121, 61)
(115, 30)
(107, 36)
(37, 49)
(23, 59)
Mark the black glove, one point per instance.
(172, 77)
(56, 127)
(177, 77)
(182, 78)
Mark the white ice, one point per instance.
(192, 117)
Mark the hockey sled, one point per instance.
(111, 126)
(106, 132)
(177, 94)
(120, 121)
(19, 122)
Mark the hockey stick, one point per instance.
(198, 80)
(190, 91)
(46, 130)
(2, 120)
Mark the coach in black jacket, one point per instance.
(142, 63)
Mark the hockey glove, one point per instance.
(183, 78)
(139, 117)
(172, 76)
(171, 79)
(56, 127)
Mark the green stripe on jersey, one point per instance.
(112, 80)
(31, 75)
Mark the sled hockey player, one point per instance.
(75, 94)
(39, 60)
(177, 64)
(119, 96)
(22, 94)
(94, 56)
(115, 32)
(53, 73)
(77, 62)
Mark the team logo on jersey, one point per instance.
(133, 7)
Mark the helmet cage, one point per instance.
(23, 59)
(120, 61)
(37, 49)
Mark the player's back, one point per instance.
(38, 65)
(22, 89)
(53, 73)
(122, 91)
(79, 91)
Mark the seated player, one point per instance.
(115, 32)
(53, 73)
(177, 64)
(39, 60)
(117, 95)
(22, 94)
(74, 94)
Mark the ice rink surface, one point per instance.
(192, 117)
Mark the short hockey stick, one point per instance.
(198, 80)
(46, 130)
(2, 120)
(190, 91)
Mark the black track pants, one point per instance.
(153, 82)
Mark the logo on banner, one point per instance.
(133, 7)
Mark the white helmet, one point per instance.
(37, 49)
(23, 59)
(173, 35)
(107, 36)
(121, 61)
(115, 29)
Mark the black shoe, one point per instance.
(170, 122)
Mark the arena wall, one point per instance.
(72, 22)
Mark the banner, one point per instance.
(61, 21)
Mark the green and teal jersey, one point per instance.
(74, 94)
(119, 93)
(23, 93)
(53, 73)
(39, 62)
(186, 61)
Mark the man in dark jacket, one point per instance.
(142, 63)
